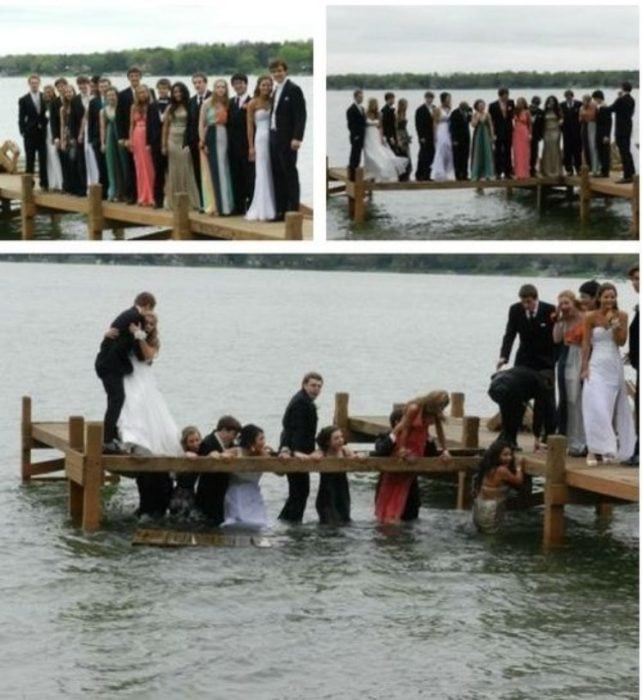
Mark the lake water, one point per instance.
(464, 214)
(431, 611)
(72, 227)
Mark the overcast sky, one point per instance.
(70, 26)
(446, 39)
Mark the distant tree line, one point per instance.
(488, 81)
(540, 265)
(185, 59)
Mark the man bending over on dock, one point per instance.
(297, 440)
(113, 363)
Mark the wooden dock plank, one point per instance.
(609, 480)
(55, 435)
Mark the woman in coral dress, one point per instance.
(521, 139)
(138, 145)
(411, 436)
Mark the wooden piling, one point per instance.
(470, 432)
(457, 404)
(635, 207)
(555, 491)
(341, 419)
(539, 197)
(293, 226)
(359, 214)
(95, 218)
(5, 208)
(75, 490)
(180, 210)
(585, 194)
(92, 478)
(27, 440)
(469, 439)
(28, 206)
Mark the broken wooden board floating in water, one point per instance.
(181, 538)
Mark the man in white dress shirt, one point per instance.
(32, 122)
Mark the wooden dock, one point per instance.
(86, 469)
(182, 223)
(359, 189)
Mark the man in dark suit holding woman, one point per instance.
(389, 121)
(123, 118)
(32, 122)
(191, 138)
(537, 131)
(241, 167)
(623, 108)
(571, 133)
(603, 127)
(425, 128)
(459, 125)
(298, 440)
(356, 116)
(501, 113)
(287, 126)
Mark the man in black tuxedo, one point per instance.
(537, 131)
(93, 130)
(603, 127)
(32, 122)
(623, 108)
(297, 440)
(501, 113)
(287, 125)
(389, 121)
(512, 389)
(123, 118)
(191, 138)
(241, 167)
(113, 363)
(572, 133)
(634, 359)
(79, 106)
(426, 136)
(356, 116)
(459, 125)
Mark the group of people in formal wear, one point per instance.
(580, 338)
(499, 140)
(229, 151)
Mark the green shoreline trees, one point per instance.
(217, 59)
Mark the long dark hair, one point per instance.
(173, 104)
(248, 435)
(555, 107)
(490, 461)
(324, 437)
(607, 286)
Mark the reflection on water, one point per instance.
(430, 610)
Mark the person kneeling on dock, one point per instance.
(497, 472)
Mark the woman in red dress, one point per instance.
(522, 139)
(140, 148)
(411, 436)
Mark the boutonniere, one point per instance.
(286, 99)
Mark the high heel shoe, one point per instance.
(591, 460)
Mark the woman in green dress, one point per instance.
(109, 146)
(483, 137)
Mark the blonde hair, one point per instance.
(152, 336)
(402, 107)
(220, 100)
(186, 432)
(433, 403)
(373, 108)
(570, 295)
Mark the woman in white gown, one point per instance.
(380, 163)
(146, 422)
(244, 505)
(608, 419)
(443, 167)
(262, 207)
(54, 168)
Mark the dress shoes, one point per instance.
(114, 448)
(632, 461)
(624, 181)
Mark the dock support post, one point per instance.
(457, 404)
(538, 197)
(5, 208)
(180, 215)
(92, 478)
(469, 439)
(75, 490)
(509, 192)
(293, 226)
(25, 466)
(555, 491)
(635, 207)
(341, 400)
(95, 218)
(359, 197)
(55, 217)
(27, 206)
(604, 510)
(585, 194)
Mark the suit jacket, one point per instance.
(634, 341)
(571, 116)
(388, 123)
(31, 121)
(536, 347)
(93, 121)
(459, 125)
(290, 113)
(603, 124)
(193, 113)
(356, 123)
(113, 355)
(537, 124)
(161, 105)
(503, 125)
(76, 114)
(123, 112)
(424, 125)
(54, 117)
(299, 424)
(211, 488)
(154, 127)
(237, 127)
(623, 108)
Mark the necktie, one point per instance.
(200, 100)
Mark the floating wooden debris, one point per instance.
(182, 538)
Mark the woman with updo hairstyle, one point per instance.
(379, 161)
(608, 418)
(569, 329)
(411, 435)
(191, 440)
(244, 506)
(481, 165)
(551, 163)
(333, 496)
